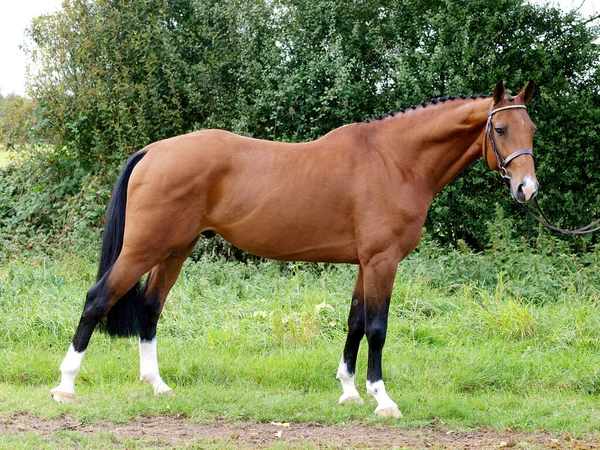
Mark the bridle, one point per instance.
(502, 163)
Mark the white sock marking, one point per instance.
(377, 390)
(149, 367)
(69, 368)
(347, 380)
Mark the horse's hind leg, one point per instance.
(100, 298)
(160, 281)
(356, 331)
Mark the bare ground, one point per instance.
(173, 431)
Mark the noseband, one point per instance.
(502, 162)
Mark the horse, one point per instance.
(358, 195)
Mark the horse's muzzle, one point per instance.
(526, 191)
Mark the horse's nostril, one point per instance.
(526, 190)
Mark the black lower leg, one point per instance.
(356, 331)
(95, 305)
(376, 329)
(150, 314)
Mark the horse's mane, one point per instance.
(432, 101)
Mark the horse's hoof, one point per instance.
(163, 389)
(164, 393)
(390, 411)
(346, 400)
(62, 397)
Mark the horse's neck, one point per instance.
(438, 141)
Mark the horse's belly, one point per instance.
(276, 238)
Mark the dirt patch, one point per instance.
(178, 431)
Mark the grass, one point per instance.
(499, 340)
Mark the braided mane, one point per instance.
(432, 101)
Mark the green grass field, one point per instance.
(498, 340)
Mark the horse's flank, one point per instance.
(357, 189)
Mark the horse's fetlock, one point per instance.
(148, 377)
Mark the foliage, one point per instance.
(45, 198)
(104, 83)
(17, 121)
(115, 75)
(515, 42)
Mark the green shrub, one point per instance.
(46, 198)
(113, 76)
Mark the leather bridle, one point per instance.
(501, 162)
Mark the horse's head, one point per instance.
(509, 141)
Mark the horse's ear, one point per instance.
(527, 92)
(499, 92)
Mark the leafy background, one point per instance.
(110, 76)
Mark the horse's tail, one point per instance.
(124, 318)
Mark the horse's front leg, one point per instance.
(378, 277)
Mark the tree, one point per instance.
(115, 75)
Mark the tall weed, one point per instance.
(546, 270)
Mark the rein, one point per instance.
(589, 228)
(502, 163)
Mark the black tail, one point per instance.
(124, 317)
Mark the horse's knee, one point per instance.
(376, 332)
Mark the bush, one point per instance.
(46, 198)
(114, 76)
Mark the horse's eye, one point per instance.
(500, 131)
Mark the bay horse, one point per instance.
(357, 195)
